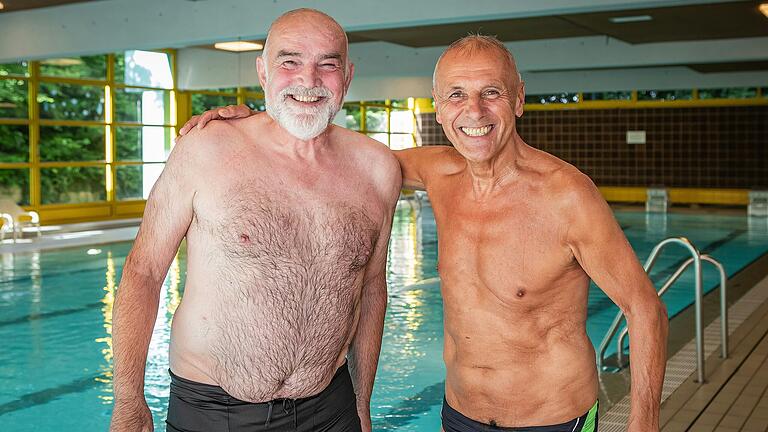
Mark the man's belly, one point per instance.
(258, 352)
(532, 388)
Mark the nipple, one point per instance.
(244, 238)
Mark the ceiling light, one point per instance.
(2, 6)
(238, 46)
(62, 62)
(764, 9)
(629, 19)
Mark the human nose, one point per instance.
(475, 107)
(309, 76)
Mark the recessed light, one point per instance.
(238, 46)
(2, 6)
(764, 9)
(62, 62)
(629, 19)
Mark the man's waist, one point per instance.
(203, 392)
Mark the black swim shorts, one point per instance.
(197, 407)
(454, 421)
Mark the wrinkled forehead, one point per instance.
(459, 68)
(307, 35)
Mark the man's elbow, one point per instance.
(652, 312)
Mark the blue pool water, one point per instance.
(55, 314)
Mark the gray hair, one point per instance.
(473, 43)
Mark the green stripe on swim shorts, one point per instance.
(589, 422)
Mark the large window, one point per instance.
(82, 131)
(661, 98)
(389, 121)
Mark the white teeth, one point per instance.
(476, 132)
(306, 98)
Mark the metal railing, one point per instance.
(696, 258)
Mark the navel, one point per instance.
(520, 292)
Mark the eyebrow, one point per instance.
(331, 56)
(284, 53)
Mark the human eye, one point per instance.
(458, 94)
(329, 66)
(491, 93)
(289, 64)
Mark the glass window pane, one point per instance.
(401, 121)
(146, 143)
(256, 89)
(144, 68)
(609, 95)
(375, 119)
(401, 141)
(380, 137)
(256, 104)
(14, 143)
(71, 102)
(134, 182)
(143, 106)
(13, 98)
(72, 143)
(399, 103)
(554, 98)
(664, 95)
(204, 102)
(20, 68)
(91, 67)
(72, 185)
(14, 184)
(728, 93)
(353, 116)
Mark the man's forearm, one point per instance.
(134, 317)
(364, 352)
(648, 328)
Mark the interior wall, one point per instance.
(717, 147)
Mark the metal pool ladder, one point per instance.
(696, 258)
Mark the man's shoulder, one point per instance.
(375, 158)
(562, 179)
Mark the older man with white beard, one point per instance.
(287, 228)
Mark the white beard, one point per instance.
(304, 123)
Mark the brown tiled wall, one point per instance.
(719, 147)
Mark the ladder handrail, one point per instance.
(650, 262)
(723, 307)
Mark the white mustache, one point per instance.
(302, 91)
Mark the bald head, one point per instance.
(310, 22)
(475, 44)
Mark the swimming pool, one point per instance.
(55, 314)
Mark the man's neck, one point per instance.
(296, 148)
(494, 174)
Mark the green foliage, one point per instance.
(13, 98)
(72, 143)
(728, 93)
(92, 67)
(20, 68)
(203, 102)
(353, 116)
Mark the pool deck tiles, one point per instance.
(734, 396)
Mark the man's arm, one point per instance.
(365, 347)
(603, 251)
(223, 113)
(418, 163)
(167, 216)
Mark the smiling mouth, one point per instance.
(305, 99)
(476, 131)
